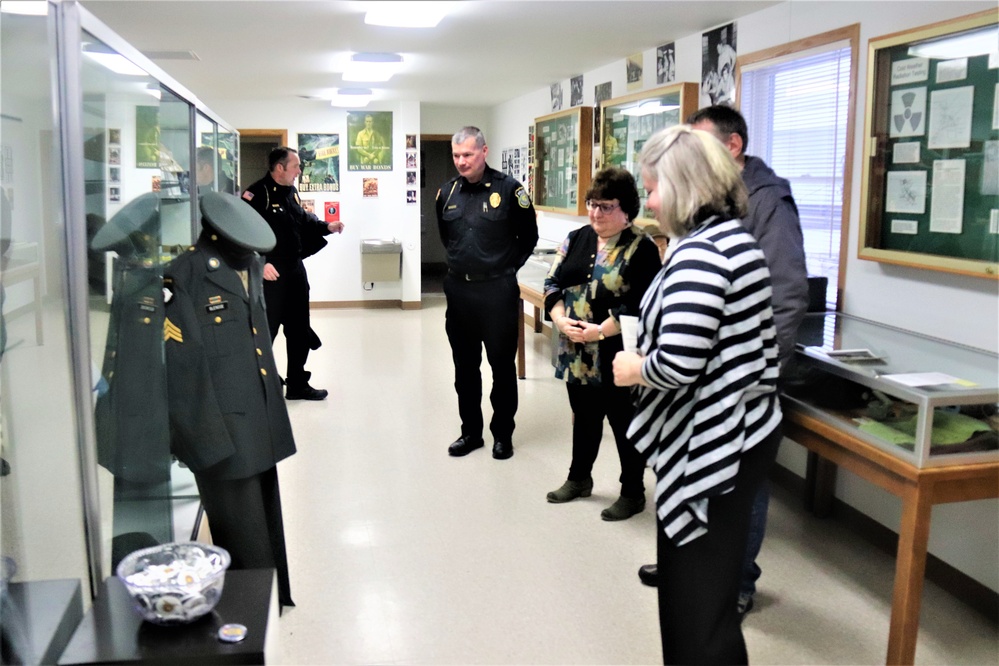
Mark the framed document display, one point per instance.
(627, 122)
(930, 194)
(562, 150)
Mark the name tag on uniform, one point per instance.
(217, 307)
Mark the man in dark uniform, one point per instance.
(228, 421)
(489, 228)
(286, 284)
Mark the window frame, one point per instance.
(851, 35)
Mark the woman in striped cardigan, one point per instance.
(707, 418)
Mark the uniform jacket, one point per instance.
(228, 419)
(488, 227)
(299, 234)
(133, 435)
(773, 221)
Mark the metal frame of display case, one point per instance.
(581, 119)
(610, 109)
(914, 244)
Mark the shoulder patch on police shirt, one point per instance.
(248, 195)
(522, 198)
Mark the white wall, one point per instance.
(335, 273)
(956, 308)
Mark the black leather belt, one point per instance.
(481, 277)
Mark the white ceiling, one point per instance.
(486, 52)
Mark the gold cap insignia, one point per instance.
(494, 199)
(171, 331)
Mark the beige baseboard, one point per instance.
(366, 305)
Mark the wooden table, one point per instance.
(919, 489)
(534, 297)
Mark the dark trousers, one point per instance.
(699, 581)
(287, 301)
(245, 518)
(590, 405)
(484, 314)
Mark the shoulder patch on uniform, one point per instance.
(171, 331)
(248, 195)
(522, 198)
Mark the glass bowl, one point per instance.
(174, 583)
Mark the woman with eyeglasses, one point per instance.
(599, 274)
(707, 418)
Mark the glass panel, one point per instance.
(228, 162)
(626, 127)
(137, 171)
(41, 526)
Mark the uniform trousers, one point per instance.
(244, 516)
(699, 581)
(287, 301)
(484, 314)
(590, 405)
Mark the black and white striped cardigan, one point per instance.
(707, 334)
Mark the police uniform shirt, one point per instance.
(489, 227)
(299, 234)
(228, 418)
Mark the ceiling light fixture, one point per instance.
(394, 14)
(373, 67)
(116, 62)
(352, 97)
(25, 7)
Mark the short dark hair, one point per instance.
(279, 156)
(725, 118)
(205, 155)
(616, 183)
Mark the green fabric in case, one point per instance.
(948, 428)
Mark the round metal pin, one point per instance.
(232, 633)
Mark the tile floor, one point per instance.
(402, 555)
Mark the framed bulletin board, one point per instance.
(627, 122)
(930, 193)
(562, 151)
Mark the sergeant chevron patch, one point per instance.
(171, 331)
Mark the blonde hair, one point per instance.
(696, 177)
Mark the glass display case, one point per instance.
(627, 122)
(930, 194)
(562, 150)
(927, 401)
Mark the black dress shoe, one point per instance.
(649, 574)
(305, 393)
(464, 445)
(502, 449)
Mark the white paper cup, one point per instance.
(629, 332)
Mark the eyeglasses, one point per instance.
(601, 206)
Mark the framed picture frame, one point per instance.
(627, 122)
(930, 186)
(562, 146)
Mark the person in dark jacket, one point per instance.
(286, 284)
(772, 219)
(489, 228)
(228, 421)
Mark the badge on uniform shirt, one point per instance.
(522, 198)
(171, 331)
(248, 195)
(494, 199)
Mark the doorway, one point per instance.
(437, 167)
(254, 147)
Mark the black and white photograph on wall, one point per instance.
(666, 63)
(411, 196)
(410, 178)
(718, 51)
(576, 91)
(115, 194)
(115, 174)
(514, 163)
(601, 93)
(635, 67)
(556, 96)
(114, 154)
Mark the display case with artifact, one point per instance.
(562, 151)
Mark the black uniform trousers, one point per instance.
(590, 405)
(287, 301)
(484, 313)
(699, 581)
(239, 512)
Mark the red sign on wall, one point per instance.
(332, 209)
